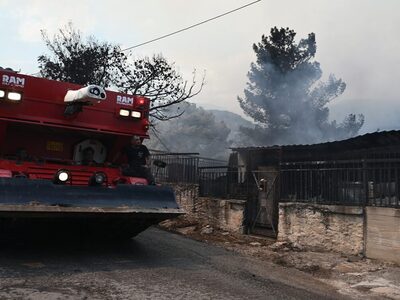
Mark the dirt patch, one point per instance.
(354, 276)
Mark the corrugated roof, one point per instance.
(369, 140)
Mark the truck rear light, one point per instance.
(146, 125)
(5, 173)
(124, 112)
(2, 94)
(98, 178)
(62, 176)
(137, 181)
(136, 114)
(14, 96)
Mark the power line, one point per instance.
(190, 27)
(184, 29)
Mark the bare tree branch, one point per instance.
(93, 62)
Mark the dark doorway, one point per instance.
(263, 209)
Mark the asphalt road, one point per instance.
(154, 265)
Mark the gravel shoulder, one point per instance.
(353, 276)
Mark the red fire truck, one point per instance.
(45, 186)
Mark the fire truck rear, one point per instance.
(47, 187)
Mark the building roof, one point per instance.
(332, 150)
(369, 140)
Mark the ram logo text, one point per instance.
(13, 80)
(124, 100)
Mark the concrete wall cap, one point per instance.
(339, 209)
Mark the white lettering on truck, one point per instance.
(13, 80)
(124, 100)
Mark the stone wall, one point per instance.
(220, 213)
(225, 214)
(350, 230)
(383, 233)
(322, 227)
(187, 196)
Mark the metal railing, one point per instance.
(224, 183)
(374, 182)
(366, 182)
(180, 167)
(211, 162)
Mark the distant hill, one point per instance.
(210, 132)
(232, 121)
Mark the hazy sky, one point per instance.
(357, 41)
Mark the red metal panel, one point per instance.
(38, 125)
(43, 103)
(80, 174)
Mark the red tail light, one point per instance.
(137, 181)
(5, 173)
(146, 125)
(140, 101)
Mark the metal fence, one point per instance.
(373, 182)
(367, 182)
(181, 167)
(205, 162)
(224, 183)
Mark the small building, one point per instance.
(361, 172)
